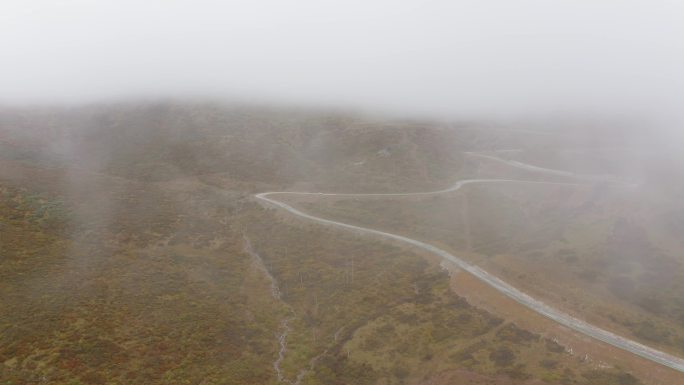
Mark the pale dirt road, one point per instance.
(495, 282)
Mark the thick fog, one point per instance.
(482, 57)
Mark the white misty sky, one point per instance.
(440, 56)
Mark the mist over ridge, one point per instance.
(327, 192)
(486, 59)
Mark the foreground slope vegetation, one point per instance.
(132, 252)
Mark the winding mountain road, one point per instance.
(495, 282)
(550, 171)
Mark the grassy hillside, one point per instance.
(133, 252)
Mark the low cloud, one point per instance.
(494, 58)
